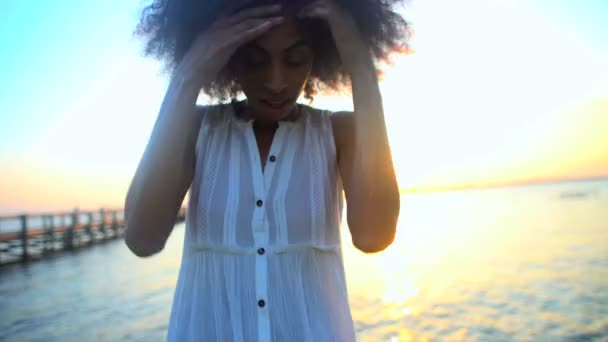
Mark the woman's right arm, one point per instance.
(165, 171)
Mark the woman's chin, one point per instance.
(273, 112)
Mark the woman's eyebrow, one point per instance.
(297, 44)
(254, 47)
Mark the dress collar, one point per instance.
(242, 117)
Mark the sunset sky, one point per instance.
(495, 92)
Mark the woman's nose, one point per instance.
(276, 79)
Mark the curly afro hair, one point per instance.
(169, 27)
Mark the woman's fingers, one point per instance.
(252, 23)
(317, 9)
(213, 48)
(256, 12)
(252, 28)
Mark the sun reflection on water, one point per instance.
(399, 289)
(477, 264)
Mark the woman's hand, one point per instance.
(213, 48)
(349, 42)
(340, 21)
(322, 9)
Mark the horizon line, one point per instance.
(514, 183)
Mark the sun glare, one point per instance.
(483, 90)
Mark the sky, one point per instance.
(495, 92)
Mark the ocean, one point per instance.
(524, 263)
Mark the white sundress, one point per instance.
(262, 259)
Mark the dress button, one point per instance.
(261, 303)
(261, 251)
(273, 158)
(259, 203)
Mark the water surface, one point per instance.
(509, 264)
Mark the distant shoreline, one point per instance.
(461, 187)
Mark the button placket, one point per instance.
(261, 182)
(258, 226)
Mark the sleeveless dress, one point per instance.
(262, 259)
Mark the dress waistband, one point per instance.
(207, 246)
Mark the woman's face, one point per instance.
(273, 69)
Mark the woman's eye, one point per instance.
(297, 58)
(253, 59)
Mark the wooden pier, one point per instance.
(25, 238)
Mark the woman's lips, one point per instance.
(274, 104)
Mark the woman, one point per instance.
(262, 258)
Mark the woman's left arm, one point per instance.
(364, 156)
